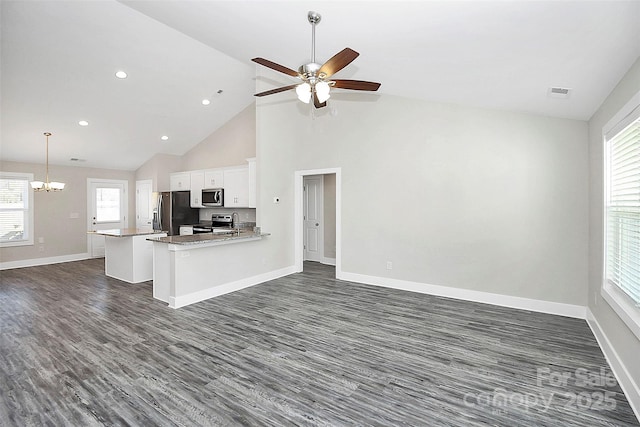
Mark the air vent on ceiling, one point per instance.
(559, 92)
(75, 159)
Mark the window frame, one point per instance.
(621, 303)
(28, 224)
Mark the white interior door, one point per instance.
(107, 209)
(144, 204)
(313, 218)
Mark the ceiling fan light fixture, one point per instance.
(304, 92)
(322, 90)
(316, 78)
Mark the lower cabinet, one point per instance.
(236, 187)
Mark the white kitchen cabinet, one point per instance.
(252, 182)
(144, 204)
(180, 181)
(236, 187)
(129, 255)
(214, 178)
(197, 184)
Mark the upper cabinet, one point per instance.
(236, 187)
(180, 181)
(197, 184)
(214, 178)
(238, 182)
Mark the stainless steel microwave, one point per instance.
(213, 197)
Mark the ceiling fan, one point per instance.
(315, 78)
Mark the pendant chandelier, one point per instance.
(47, 186)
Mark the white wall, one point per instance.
(63, 235)
(158, 168)
(622, 340)
(469, 198)
(230, 145)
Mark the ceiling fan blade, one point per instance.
(316, 101)
(356, 85)
(272, 91)
(338, 62)
(274, 66)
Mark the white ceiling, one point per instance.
(59, 60)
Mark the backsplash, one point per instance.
(245, 214)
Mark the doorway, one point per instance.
(318, 213)
(107, 209)
(313, 217)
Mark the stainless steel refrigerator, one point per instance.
(172, 210)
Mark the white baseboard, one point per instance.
(43, 261)
(627, 384)
(329, 261)
(194, 297)
(561, 309)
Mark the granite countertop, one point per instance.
(202, 238)
(127, 232)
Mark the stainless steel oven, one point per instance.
(219, 224)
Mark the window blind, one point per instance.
(623, 210)
(14, 209)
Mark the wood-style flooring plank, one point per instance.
(80, 349)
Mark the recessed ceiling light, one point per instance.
(83, 123)
(164, 137)
(121, 75)
(206, 102)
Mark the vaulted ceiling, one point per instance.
(59, 60)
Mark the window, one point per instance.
(107, 204)
(621, 288)
(16, 209)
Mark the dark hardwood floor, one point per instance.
(80, 349)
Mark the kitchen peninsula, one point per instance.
(192, 268)
(128, 256)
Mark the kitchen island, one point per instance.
(128, 256)
(192, 268)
